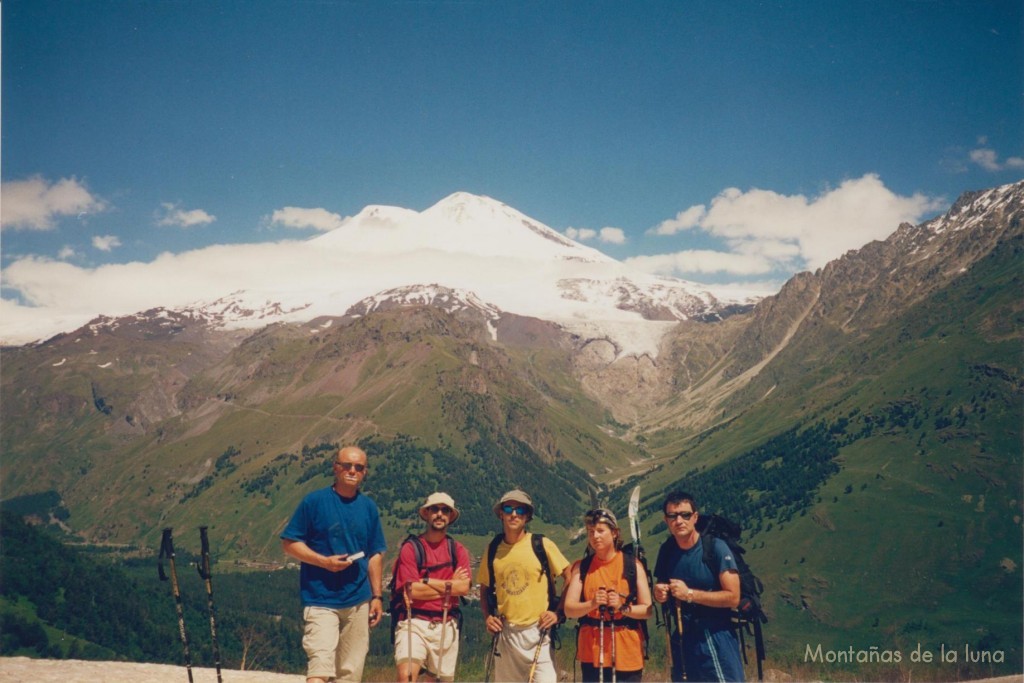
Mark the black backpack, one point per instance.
(396, 606)
(748, 615)
(630, 556)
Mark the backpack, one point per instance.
(396, 607)
(554, 603)
(748, 615)
(629, 558)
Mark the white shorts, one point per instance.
(426, 644)
(517, 647)
(336, 641)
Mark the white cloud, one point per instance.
(613, 236)
(580, 234)
(105, 242)
(35, 203)
(606, 235)
(988, 159)
(705, 261)
(304, 219)
(684, 220)
(170, 214)
(785, 230)
(66, 252)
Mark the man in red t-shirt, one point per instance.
(430, 639)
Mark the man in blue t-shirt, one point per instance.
(337, 536)
(704, 644)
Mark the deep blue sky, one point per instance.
(581, 115)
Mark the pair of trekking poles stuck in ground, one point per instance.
(444, 624)
(167, 552)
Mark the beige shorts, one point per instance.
(517, 647)
(336, 641)
(426, 644)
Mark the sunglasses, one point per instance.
(598, 515)
(443, 509)
(358, 467)
(673, 516)
(520, 510)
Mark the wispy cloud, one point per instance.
(297, 218)
(764, 230)
(66, 252)
(105, 242)
(35, 203)
(172, 214)
(604, 235)
(988, 159)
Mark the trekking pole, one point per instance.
(444, 626)
(600, 642)
(667, 619)
(167, 550)
(612, 623)
(679, 632)
(536, 654)
(408, 627)
(489, 663)
(204, 573)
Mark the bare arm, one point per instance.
(434, 588)
(303, 553)
(729, 596)
(375, 572)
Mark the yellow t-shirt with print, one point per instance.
(520, 585)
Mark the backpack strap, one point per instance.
(492, 551)
(711, 559)
(537, 541)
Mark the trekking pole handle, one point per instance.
(203, 567)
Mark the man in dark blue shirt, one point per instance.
(337, 536)
(707, 648)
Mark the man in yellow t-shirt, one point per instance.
(519, 612)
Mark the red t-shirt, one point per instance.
(435, 554)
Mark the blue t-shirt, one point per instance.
(675, 563)
(332, 525)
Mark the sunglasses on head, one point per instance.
(443, 509)
(597, 515)
(520, 510)
(358, 467)
(676, 515)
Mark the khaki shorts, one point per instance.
(336, 641)
(426, 643)
(517, 647)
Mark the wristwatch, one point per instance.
(376, 597)
(689, 595)
(426, 581)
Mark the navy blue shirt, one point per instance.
(675, 563)
(333, 525)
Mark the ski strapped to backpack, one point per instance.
(397, 604)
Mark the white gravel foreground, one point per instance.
(77, 671)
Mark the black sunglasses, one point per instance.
(358, 467)
(676, 515)
(520, 510)
(443, 509)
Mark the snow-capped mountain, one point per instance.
(487, 251)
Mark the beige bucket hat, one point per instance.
(439, 498)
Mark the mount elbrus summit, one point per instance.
(863, 424)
